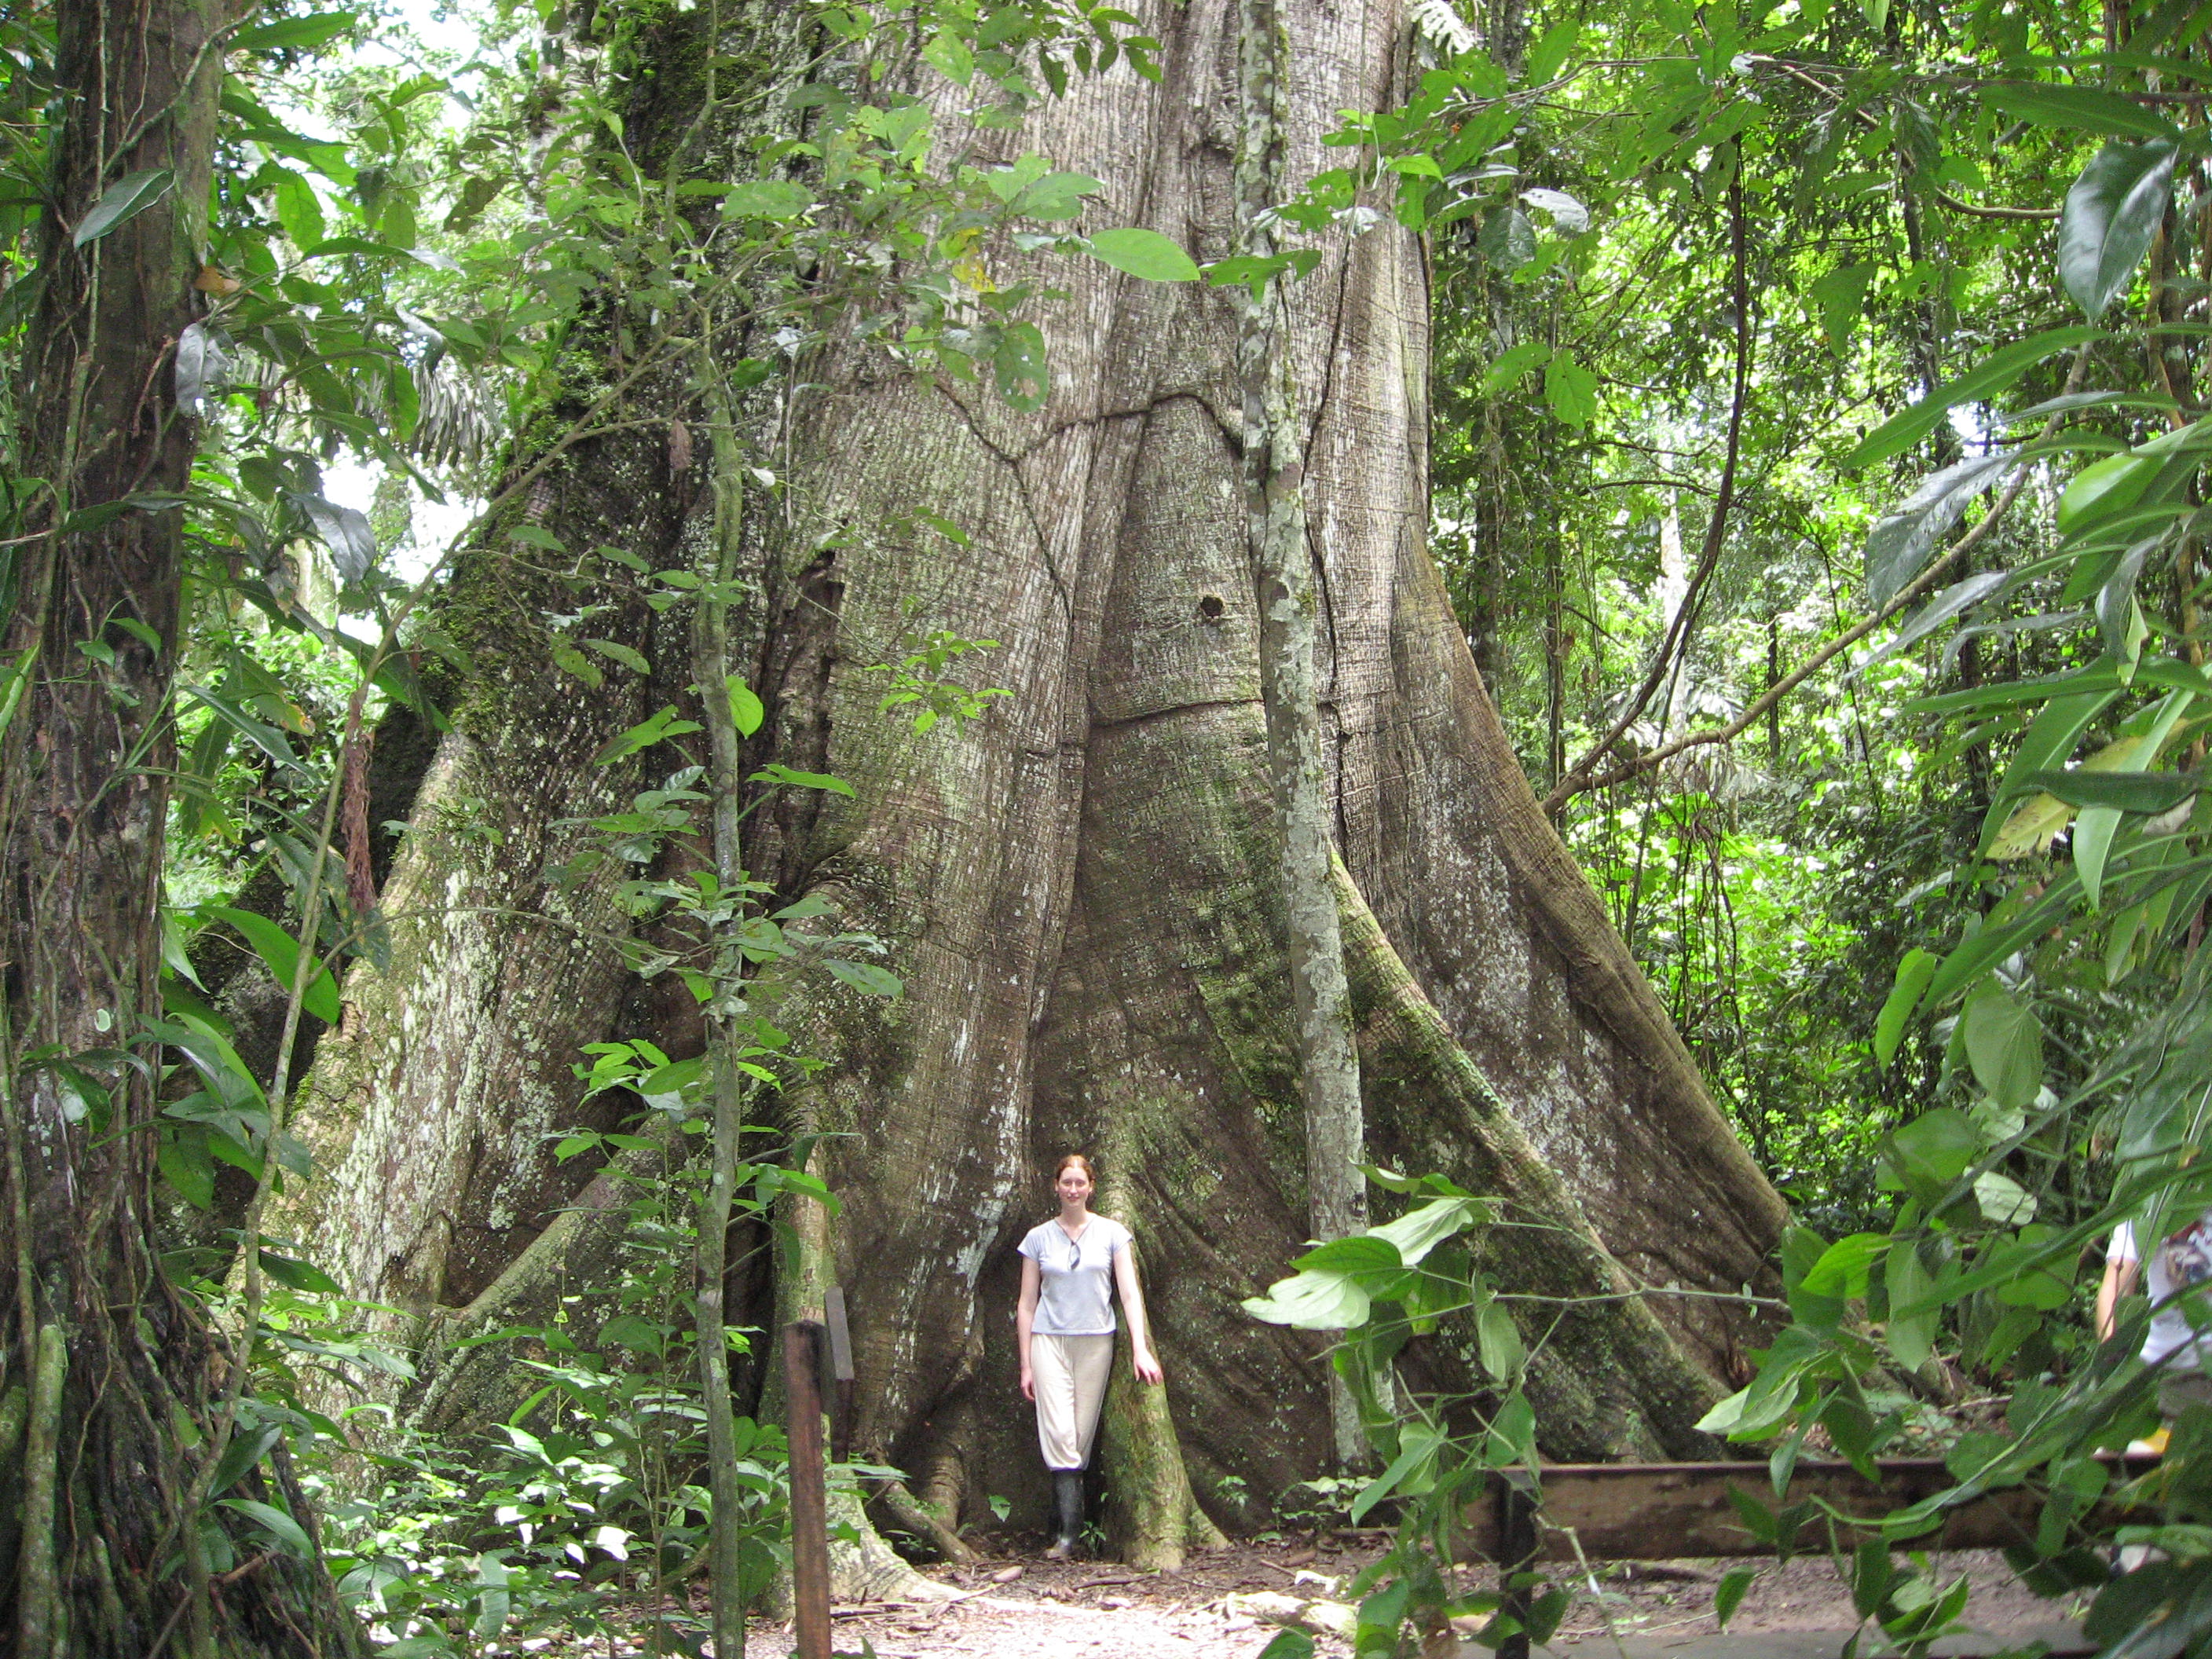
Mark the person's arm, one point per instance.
(2120, 1279)
(1133, 1304)
(1025, 1314)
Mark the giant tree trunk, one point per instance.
(114, 1385)
(1080, 890)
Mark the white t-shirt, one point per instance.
(2182, 1260)
(1075, 1276)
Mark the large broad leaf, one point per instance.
(1311, 1301)
(2079, 109)
(344, 530)
(126, 197)
(2111, 215)
(202, 363)
(2004, 1046)
(2124, 792)
(1145, 253)
(1898, 547)
(1959, 597)
(1419, 1232)
(1999, 370)
(1913, 974)
(280, 952)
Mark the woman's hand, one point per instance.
(1029, 1383)
(1148, 1368)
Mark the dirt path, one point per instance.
(1046, 1609)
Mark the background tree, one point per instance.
(122, 1403)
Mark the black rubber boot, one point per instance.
(1068, 1501)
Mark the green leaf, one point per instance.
(864, 976)
(1911, 1337)
(1841, 296)
(1022, 369)
(1898, 545)
(2079, 109)
(1572, 390)
(1311, 1301)
(767, 198)
(186, 1163)
(1511, 364)
(2124, 792)
(1145, 253)
(1842, 1269)
(293, 34)
(1498, 1340)
(1913, 973)
(344, 530)
(280, 952)
(659, 728)
(2103, 490)
(1507, 239)
(1420, 1230)
(614, 651)
(289, 1537)
(773, 773)
(1951, 602)
(1728, 1594)
(1288, 1642)
(1361, 1253)
(298, 1275)
(2004, 1046)
(1054, 196)
(248, 1446)
(1979, 385)
(125, 199)
(746, 712)
(2093, 830)
(2050, 738)
(1936, 1147)
(2111, 215)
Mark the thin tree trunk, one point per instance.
(1283, 584)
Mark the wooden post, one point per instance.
(810, 1513)
(1515, 1555)
(840, 1375)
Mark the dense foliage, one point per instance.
(1819, 475)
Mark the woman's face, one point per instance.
(1073, 1185)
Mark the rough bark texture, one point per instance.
(1081, 891)
(1283, 582)
(123, 1375)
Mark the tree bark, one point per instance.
(1285, 604)
(1082, 891)
(126, 1397)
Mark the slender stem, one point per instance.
(711, 663)
(1675, 647)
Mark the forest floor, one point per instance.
(1217, 1608)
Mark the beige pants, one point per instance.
(1070, 1373)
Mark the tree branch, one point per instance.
(1677, 640)
(1743, 722)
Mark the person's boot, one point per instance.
(1067, 1502)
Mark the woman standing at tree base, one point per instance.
(1064, 1324)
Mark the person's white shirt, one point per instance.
(2181, 1262)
